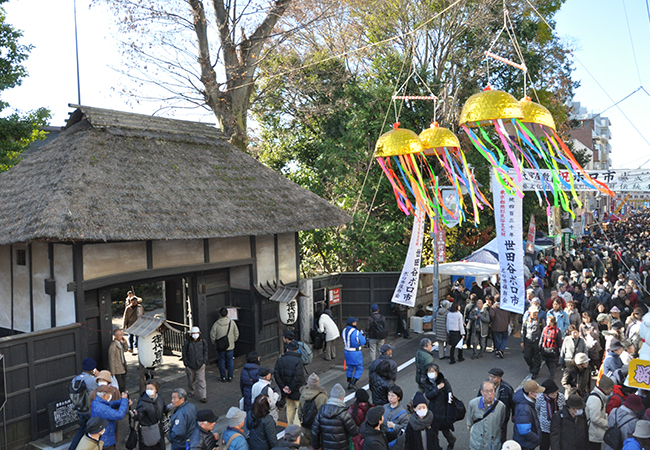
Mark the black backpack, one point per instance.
(613, 436)
(379, 326)
(79, 394)
(309, 412)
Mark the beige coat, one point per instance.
(116, 360)
(131, 315)
(220, 328)
(87, 443)
(486, 434)
(596, 415)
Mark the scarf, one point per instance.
(551, 405)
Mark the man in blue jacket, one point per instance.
(183, 422)
(353, 340)
(527, 432)
(111, 410)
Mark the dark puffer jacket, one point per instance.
(568, 433)
(247, 379)
(438, 398)
(333, 426)
(150, 412)
(261, 433)
(379, 388)
(373, 439)
(289, 371)
(205, 439)
(527, 430)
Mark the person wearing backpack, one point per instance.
(596, 405)
(80, 388)
(624, 420)
(263, 386)
(234, 438)
(224, 334)
(376, 331)
(312, 397)
(569, 430)
(305, 352)
(289, 374)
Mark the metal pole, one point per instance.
(76, 49)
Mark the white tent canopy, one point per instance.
(468, 269)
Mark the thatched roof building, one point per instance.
(114, 176)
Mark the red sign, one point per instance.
(530, 245)
(335, 296)
(441, 245)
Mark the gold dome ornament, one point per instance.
(489, 105)
(398, 141)
(434, 139)
(536, 115)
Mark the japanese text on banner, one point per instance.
(508, 220)
(409, 280)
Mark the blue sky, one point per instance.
(596, 28)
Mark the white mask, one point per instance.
(632, 269)
(195, 335)
(432, 375)
(600, 291)
(102, 383)
(579, 412)
(422, 412)
(151, 393)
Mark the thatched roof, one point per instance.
(113, 176)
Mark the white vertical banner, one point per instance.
(508, 218)
(409, 280)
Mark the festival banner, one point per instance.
(441, 245)
(508, 212)
(530, 243)
(617, 180)
(407, 286)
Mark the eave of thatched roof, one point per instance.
(112, 176)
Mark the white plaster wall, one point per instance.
(265, 248)
(230, 249)
(101, 260)
(63, 274)
(5, 286)
(22, 317)
(42, 301)
(287, 257)
(240, 277)
(179, 252)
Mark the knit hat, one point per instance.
(634, 403)
(362, 396)
(575, 401)
(646, 416)
(235, 416)
(642, 429)
(581, 358)
(374, 307)
(337, 391)
(605, 383)
(313, 382)
(95, 425)
(88, 364)
(419, 399)
(292, 433)
(511, 445)
(374, 415)
(550, 386)
(601, 317)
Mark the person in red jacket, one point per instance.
(619, 394)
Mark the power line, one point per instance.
(629, 32)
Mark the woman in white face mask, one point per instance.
(149, 413)
(437, 390)
(422, 429)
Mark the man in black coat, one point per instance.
(333, 425)
(373, 437)
(386, 354)
(289, 374)
(207, 439)
(195, 358)
(569, 430)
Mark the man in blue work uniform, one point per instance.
(353, 340)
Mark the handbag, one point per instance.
(456, 410)
(223, 342)
(132, 440)
(150, 434)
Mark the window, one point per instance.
(21, 257)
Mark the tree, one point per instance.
(17, 130)
(198, 58)
(320, 121)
